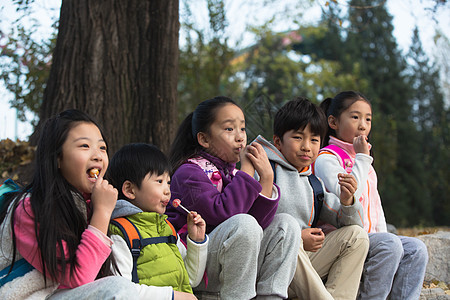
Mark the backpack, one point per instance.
(318, 193)
(210, 170)
(344, 158)
(135, 242)
(20, 267)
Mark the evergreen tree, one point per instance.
(371, 44)
(205, 59)
(432, 119)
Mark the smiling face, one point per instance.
(153, 194)
(299, 147)
(353, 122)
(83, 150)
(227, 136)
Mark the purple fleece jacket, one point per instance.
(240, 195)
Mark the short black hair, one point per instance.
(133, 162)
(297, 114)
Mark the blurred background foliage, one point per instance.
(352, 47)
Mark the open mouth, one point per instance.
(93, 172)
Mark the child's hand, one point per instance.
(361, 145)
(312, 239)
(246, 164)
(183, 296)
(196, 227)
(348, 187)
(259, 159)
(103, 199)
(104, 195)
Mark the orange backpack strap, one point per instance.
(129, 231)
(174, 232)
(135, 242)
(133, 238)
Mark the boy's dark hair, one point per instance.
(133, 162)
(297, 114)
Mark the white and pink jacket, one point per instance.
(344, 159)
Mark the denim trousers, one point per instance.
(394, 268)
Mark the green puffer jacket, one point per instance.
(158, 264)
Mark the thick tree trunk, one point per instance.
(118, 61)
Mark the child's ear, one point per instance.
(277, 142)
(332, 122)
(203, 139)
(128, 190)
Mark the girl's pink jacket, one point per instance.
(93, 250)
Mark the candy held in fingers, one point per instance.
(177, 202)
(93, 173)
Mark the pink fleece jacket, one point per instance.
(93, 250)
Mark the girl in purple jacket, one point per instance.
(252, 252)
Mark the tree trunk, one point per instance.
(118, 62)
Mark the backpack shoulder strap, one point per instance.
(274, 166)
(210, 170)
(9, 186)
(135, 242)
(21, 266)
(171, 239)
(11, 272)
(318, 197)
(318, 193)
(344, 158)
(132, 237)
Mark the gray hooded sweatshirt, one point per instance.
(297, 195)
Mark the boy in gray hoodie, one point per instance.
(328, 266)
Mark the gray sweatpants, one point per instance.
(111, 287)
(245, 261)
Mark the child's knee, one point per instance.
(356, 235)
(118, 287)
(416, 249)
(286, 223)
(388, 244)
(245, 227)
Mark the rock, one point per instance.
(438, 246)
(434, 294)
(391, 229)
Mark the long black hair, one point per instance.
(337, 105)
(56, 214)
(185, 144)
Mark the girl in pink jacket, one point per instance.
(395, 265)
(60, 220)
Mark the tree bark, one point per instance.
(118, 61)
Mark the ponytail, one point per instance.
(325, 106)
(184, 145)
